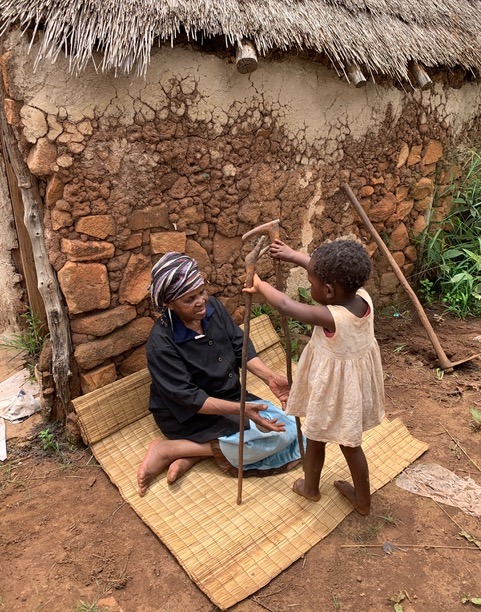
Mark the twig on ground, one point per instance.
(273, 592)
(116, 510)
(291, 586)
(259, 603)
(461, 448)
(447, 514)
(43, 605)
(400, 546)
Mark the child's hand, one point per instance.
(255, 285)
(280, 250)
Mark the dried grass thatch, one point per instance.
(382, 36)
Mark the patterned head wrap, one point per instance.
(173, 276)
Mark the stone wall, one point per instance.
(196, 154)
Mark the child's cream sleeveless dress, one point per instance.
(338, 385)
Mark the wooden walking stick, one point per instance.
(273, 229)
(251, 259)
(445, 363)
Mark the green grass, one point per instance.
(86, 606)
(451, 248)
(31, 340)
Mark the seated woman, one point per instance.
(193, 353)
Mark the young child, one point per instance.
(338, 385)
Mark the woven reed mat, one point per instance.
(229, 550)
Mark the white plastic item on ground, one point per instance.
(17, 401)
(442, 485)
(3, 442)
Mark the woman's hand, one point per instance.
(280, 250)
(280, 387)
(252, 412)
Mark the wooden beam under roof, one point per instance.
(246, 57)
(420, 76)
(355, 75)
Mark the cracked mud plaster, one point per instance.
(209, 153)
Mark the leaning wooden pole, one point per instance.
(47, 281)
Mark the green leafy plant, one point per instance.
(476, 601)
(476, 416)
(336, 601)
(300, 332)
(49, 443)
(427, 292)
(31, 339)
(305, 295)
(399, 348)
(259, 309)
(398, 599)
(396, 311)
(451, 251)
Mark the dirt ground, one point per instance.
(70, 543)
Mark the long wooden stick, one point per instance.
(273, 229)
(250, 269)
(461, 448)
(287, 342)
(443, 359)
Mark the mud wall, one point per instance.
(196, 154)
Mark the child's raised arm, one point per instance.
(280, 250)
(306, 313)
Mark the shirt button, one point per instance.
(211, 342)
(220, 360)
(230, 374)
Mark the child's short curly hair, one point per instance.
(344, 261)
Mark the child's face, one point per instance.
(319, 290)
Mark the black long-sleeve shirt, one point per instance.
(187, 368)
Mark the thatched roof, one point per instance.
(382, 36)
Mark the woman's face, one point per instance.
(191, 306)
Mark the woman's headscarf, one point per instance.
(173, 276)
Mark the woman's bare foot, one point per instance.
(299, 487)
(155, 462)
(349, 492)
(180, 466)
(179, 454)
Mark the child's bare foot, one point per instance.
(155, 462)
(349, 492)
(180, 466)
(299, 487)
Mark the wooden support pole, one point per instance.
(246, 57)
(421, 77)
(356, 76)
(47, 281)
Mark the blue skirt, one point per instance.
(264, 451)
